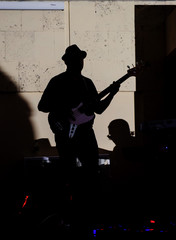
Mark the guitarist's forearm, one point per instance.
(103, 104)
(117, 83)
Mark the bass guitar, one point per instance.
(79, 117)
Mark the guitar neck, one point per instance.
(107, 90)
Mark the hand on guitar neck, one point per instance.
(114, 88)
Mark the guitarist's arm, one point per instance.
(101, 105)
(52, 98)
(47, 103)
(112, 90)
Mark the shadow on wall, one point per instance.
(16, 138)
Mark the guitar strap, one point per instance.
(73, 126)
(84, 80)
(87, 90)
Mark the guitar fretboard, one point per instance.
(107, 90)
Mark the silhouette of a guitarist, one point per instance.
(72, 101)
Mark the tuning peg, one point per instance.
(128, 66)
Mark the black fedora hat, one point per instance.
(73, 52)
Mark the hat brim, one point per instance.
(81, 55)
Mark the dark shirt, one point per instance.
(65, 92)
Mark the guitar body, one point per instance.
(78, 117)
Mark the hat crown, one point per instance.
(73, 51)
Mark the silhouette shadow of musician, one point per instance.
(16, 142)
(126, 165)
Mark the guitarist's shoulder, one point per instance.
(58, 78)
(87, 80)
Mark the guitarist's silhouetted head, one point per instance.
(74, 59)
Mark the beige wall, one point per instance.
(32, 43)
(106, 31)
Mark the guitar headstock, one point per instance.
(136, 70)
